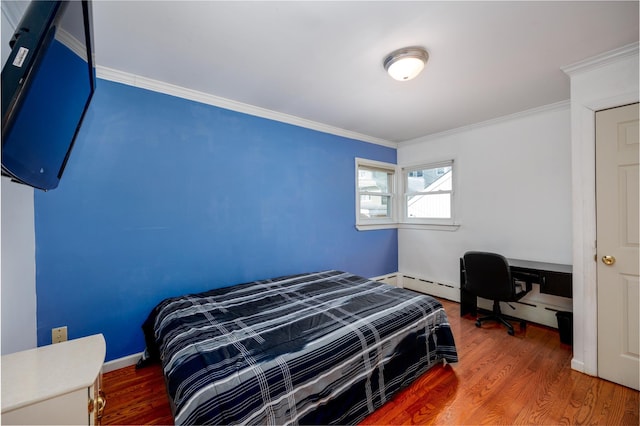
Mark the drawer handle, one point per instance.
(101, 402)
(98, 404)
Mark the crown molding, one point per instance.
(75, 45)
(601, 59)
(566, 104)
(205, 98)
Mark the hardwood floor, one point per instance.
(500, 379)
(136, 397)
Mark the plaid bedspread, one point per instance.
(319, 348)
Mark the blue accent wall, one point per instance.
(163, 196)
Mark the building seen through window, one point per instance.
(428, 192)
(375, 193)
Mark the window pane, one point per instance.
(434, 206)
(375, 206)
(374, 180)
(428, 180)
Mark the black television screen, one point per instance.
(47, 85)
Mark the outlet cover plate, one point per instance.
(59, 334)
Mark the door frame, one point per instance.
(605, 81)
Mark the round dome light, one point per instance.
(406, 63)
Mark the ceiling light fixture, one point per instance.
(406, 63)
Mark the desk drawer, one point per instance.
(556, 283)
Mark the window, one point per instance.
(425, 200)
(375, 197)
(428, 193)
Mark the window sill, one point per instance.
(375, 226)
(430, 226)
(420, 226)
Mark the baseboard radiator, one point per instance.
(534, 307)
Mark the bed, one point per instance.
(320, 348)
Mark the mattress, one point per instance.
(319, 348)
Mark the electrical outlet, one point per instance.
(59, 334)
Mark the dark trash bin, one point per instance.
(565, 326)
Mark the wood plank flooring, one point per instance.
(136, 397)
(500, 379)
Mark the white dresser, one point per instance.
(54, 384)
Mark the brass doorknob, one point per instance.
(608, 260)
(98, 403)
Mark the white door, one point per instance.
(617, 188)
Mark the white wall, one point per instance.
(513, 193)
(17, 252)
(18, 285)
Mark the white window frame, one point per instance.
(429, 223)
(363, 224)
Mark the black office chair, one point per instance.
(487, 275)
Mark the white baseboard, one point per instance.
(447, 291)
(577, 365)
(393, 278)
(534, 307)
(121, 362)
(398, 279)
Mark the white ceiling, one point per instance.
(322, 61)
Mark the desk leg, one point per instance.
(468, 301)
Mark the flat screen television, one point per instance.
(47, 84)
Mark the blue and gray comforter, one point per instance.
(319, 348)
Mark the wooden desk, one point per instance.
(553, 279)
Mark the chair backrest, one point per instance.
(487, 275)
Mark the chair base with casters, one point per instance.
(498, 316)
